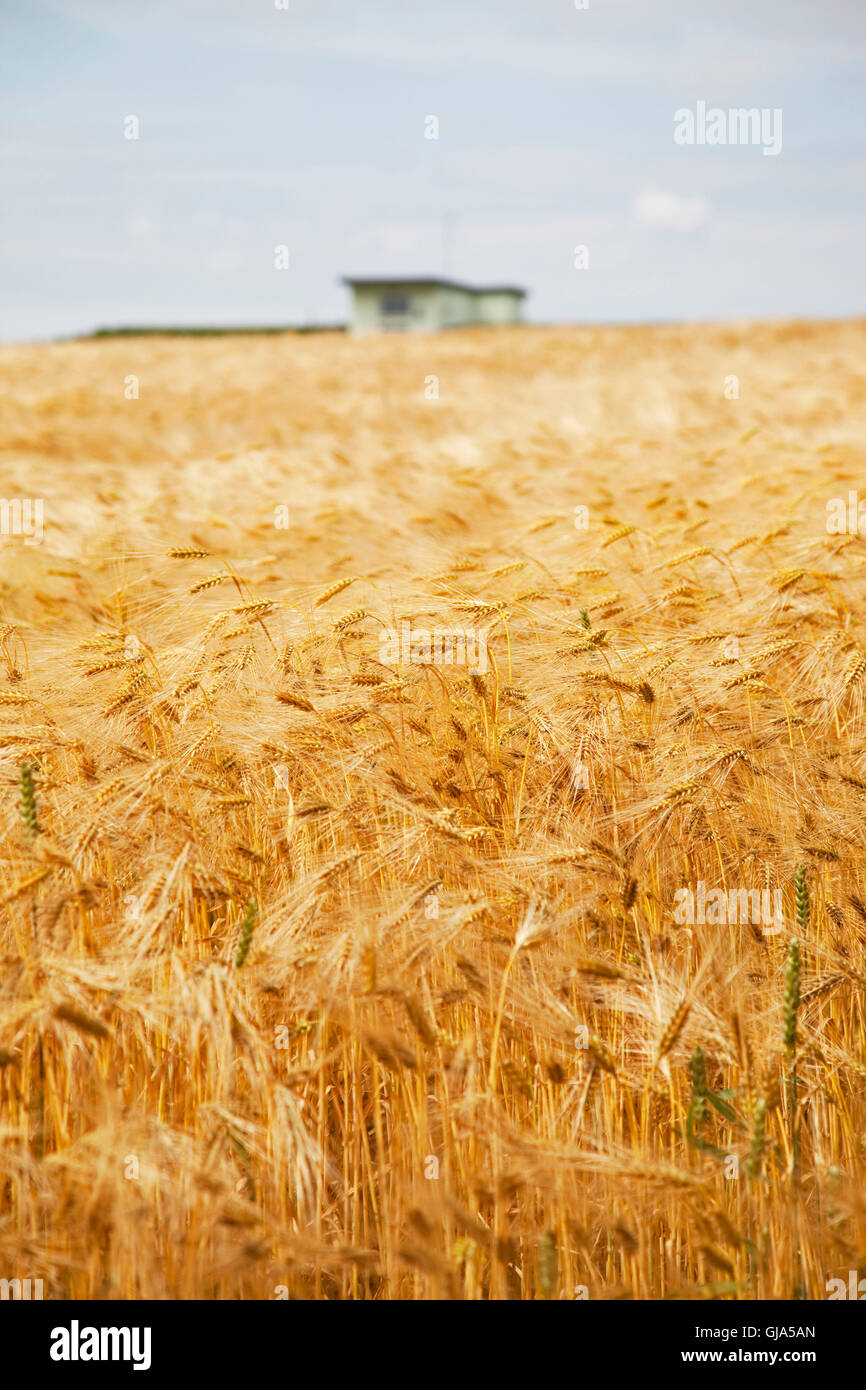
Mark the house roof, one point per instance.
(392, 281)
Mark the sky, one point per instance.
(307, 127)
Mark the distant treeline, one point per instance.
(180, 332)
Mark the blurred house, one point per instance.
(425, 304)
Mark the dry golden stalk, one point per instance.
(390, 1050)
(368, 968)
(25, 884)
(718, 1257)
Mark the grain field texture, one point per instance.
(336, 971)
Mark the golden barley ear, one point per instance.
(349, 619)
(675, 1026)
(601, 1054)
(629, 894)
(80, 1018)
(334, 589)
(210, 583)
(288, 697)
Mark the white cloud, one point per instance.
(142, 228)
(668, 211)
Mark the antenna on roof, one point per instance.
(449, 221)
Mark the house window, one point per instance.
(395, 304)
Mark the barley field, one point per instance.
(339, 970)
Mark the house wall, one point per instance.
(456, 307)
(368, 316)
(430, 307)
(499, 307)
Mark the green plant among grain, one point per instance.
(757, 1139)
(245, 935)
(791, 1006)
(27, 801)
(792, 998)
(547, 1264)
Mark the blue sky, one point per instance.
(305, 127)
